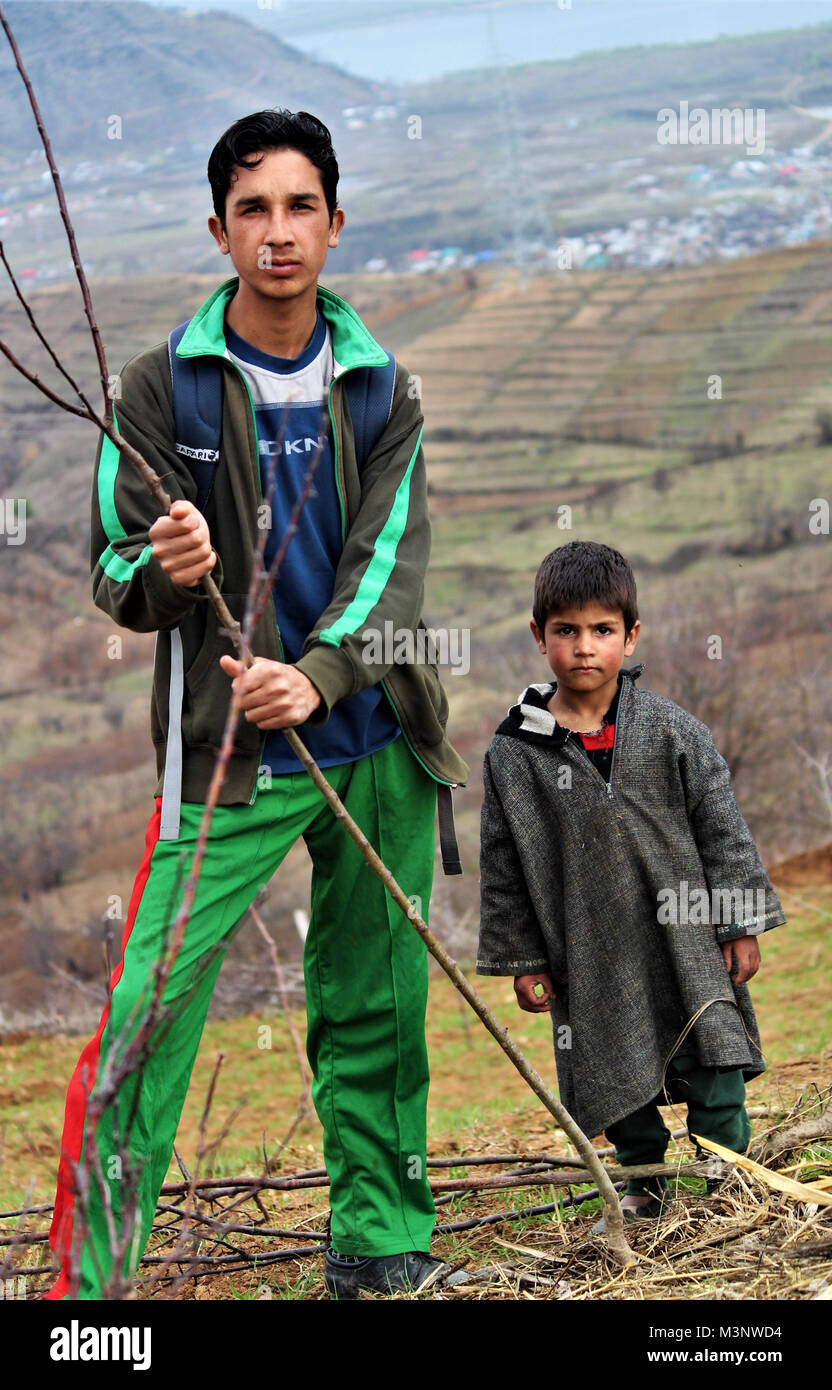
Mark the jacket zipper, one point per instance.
(253, 797)
(343, 538)
(443, 780)
(615, 742)
(593, 768)
(335, 460)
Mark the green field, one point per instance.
(475, 1092)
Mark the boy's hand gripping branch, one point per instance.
(273, 694)
(525, 990)
(182, 543)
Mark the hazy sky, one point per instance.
(420, 39)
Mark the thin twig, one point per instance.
(65, 218)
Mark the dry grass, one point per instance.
(746, 1242)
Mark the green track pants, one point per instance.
(365, 968)
(716, 1110)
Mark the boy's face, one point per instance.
(277, 226)
(585, 646)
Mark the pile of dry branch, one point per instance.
(513, 1221)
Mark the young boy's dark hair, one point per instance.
(584, 572)
(272, 130)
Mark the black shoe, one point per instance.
(346, 1276)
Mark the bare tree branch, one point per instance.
(70, 233)
(27, 309)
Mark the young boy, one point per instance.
(621, 886)
(277, 354)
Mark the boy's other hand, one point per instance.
(529, 1001)
(746, 953)
(182, 543)
(274, 694)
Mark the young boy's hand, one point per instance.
(274, 695)
(746, 953)
(524, 989)
(181, 543)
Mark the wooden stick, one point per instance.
(574, 1199)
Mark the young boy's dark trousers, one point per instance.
(716, 1110)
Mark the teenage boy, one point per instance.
(621, 886)
(280, 349)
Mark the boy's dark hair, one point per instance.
(272, 130)
(584, 572)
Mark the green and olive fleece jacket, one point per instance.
(623, 892)
(379, 578)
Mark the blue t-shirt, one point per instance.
(290, 406)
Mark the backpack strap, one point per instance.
(369, 392)
(172, 781)
(197, 408)
(451, 862)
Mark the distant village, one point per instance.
(689, 214)
(779, 199)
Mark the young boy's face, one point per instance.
(585, 646)
(277, 225)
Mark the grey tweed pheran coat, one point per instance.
(576, 877)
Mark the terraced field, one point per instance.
(557, 406)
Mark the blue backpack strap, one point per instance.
(369, 392)
(197, 406)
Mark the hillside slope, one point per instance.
(563, 399)
(171, 75)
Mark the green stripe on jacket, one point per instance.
(112, 564)
(378, 571)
